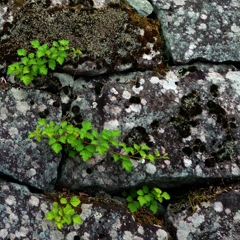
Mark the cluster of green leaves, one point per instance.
(87, 143)
(63, 212)
(32, 65)
(145, 198)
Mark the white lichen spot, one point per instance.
(218, 206)
(86, 211)
(31, 172)
(5, 187)
(198, 170)
(126, 95)
(94, 104)
(143, 101)
(137, 90)
(154, 80)
(169, 82)
(150, 168)
(161, 234)
(34, 201)
(202, 26)
(113, 90)
(236, 217)
(167, 162)
(187, 162)
(188, 54)
(116, 110)
(11, 200)
(127, 235)
(203, 16)
(97, 216)
(22, 107)
(13, 131)
(228, 211)
(179, 2)
(234, 77)
(113, 98)
(142, 81)
(141, 32)
(3, 233)
(101, 168)
(3, 113)
(140, 230)
(235, 28)
(41, 107)
(235, 169)
(134, 108)
(19, 94)
(111, 125)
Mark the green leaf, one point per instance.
(31, 135)
(87, 125)
(43, 47)
(142, 153)
(122, 145)
(67, 219)
(104, 144)
(52, 49)
(95, 142)
(35, 44)
(114, 142)
(101, 150)
(43, 70)
(106, 134)
(57, 147)
(148, 198)
(151, 157)
(27, 79)
(145, 189)
(56, 128)
(63, 201)
(72, 154)
(59, 225)
(61, 131)
(75, 201)
(140, 192)
(52, 64)
(26, 70)
(154, 206)
(21, 52)
(25, 60)
(63, 124)
(95, 133)
(91, 148)
(79, 147)
(50, 216)
(31, 55)
(133, 192)
(129, 199)
(51, 141)
(62, 139)
(136, 147)
(116, 133)
(116, 157)
(126, 164)
(166, 196)
(63, 42)
(124, 193)
(142, 200)
(55, 44)
(51, 124)
(157, 153)
(62, 54)
(40, 53)
(69, 129)
(55, 204)
(32, 61)
(39, 138)
(60, 60)
(145, 147)
(133, 206)
(86, 155)
(77, 219)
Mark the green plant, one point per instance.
(145, 197)
(87, 143)
(32, 66)
(64, 214)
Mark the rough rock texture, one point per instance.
(190, 114)
(21, 158)
(23, 217)
(218, 219)
(200, 30)
(111, 40)
(143, 7)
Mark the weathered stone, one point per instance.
(217, 219)
(23, 217)
(190, 114)
(143, 7)
(24, 159)
(200, 30)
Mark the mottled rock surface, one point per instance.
(190, 114)
(24, 159)
(23, 217)
(218, 219)
(200, 30)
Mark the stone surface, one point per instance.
(24, 159)
(200, 30)
(218, 219)
(143, 7)
(23, 217)
(190, 114)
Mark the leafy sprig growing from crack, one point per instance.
(86, 143)
(32, 65)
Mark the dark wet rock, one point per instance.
(24, 159)
(177, 114)
(217, 219)
(23, 217)
(200, 30)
